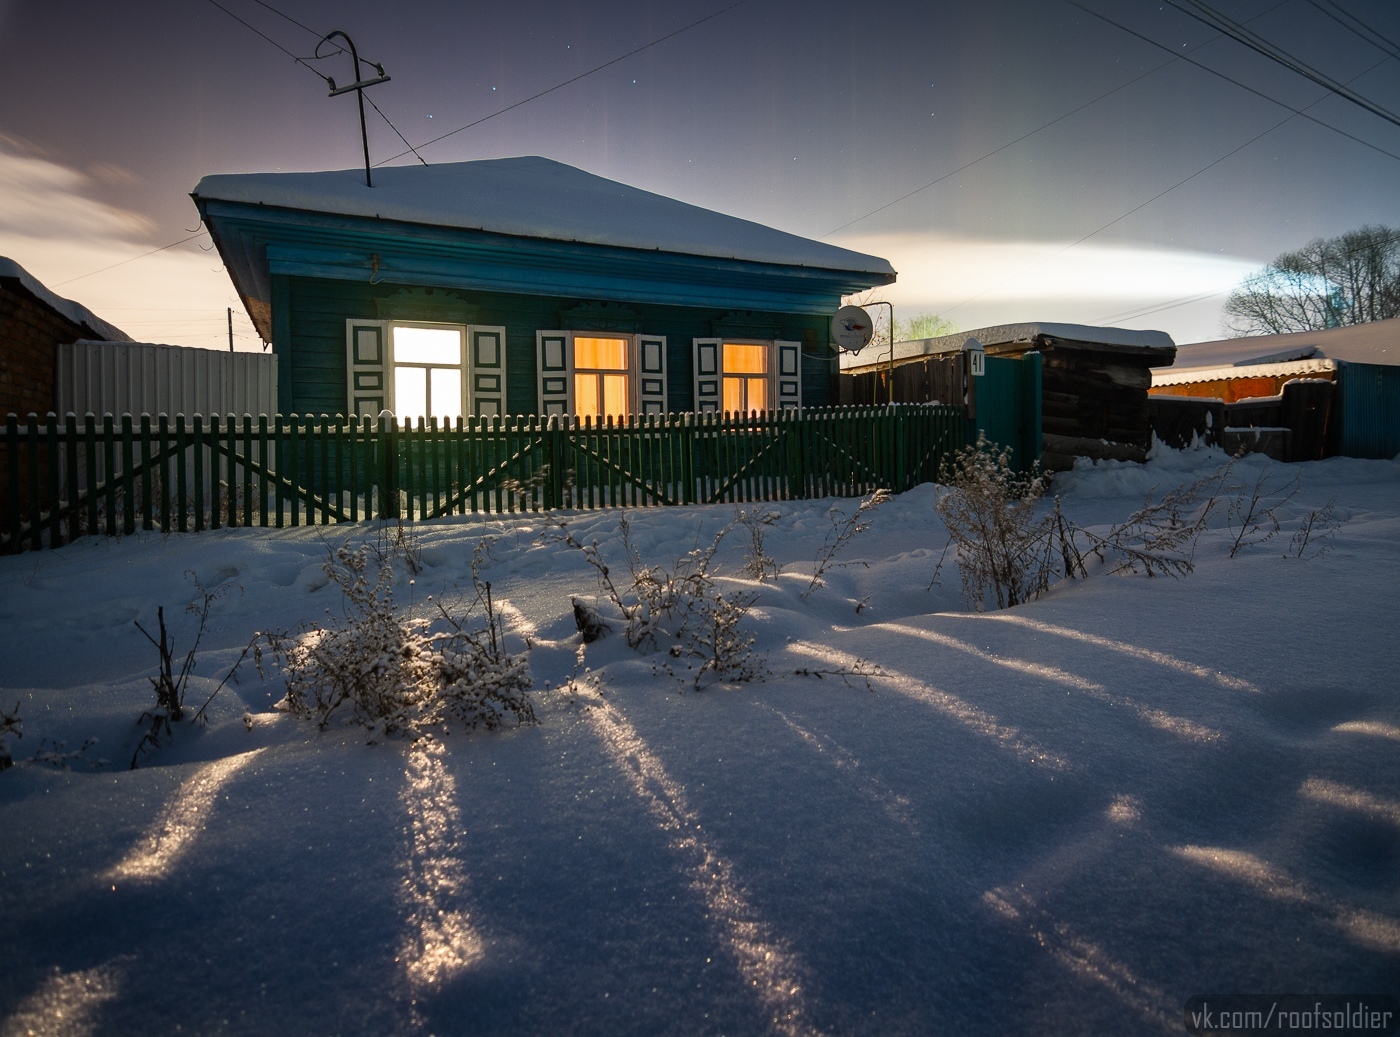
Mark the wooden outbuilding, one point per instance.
(1094, 382)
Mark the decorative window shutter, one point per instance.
(649, 367)
(368, 368)
(554, 351)
(787, 370)
(708, 374)
(486, 370)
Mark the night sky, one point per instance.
(812, 117)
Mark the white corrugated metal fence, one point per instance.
(139, 378)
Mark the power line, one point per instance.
(284, 50)
(575, 79)
(1044, 126)
(1357, 27)
(303, 61)
(1134, 209)
(133, 259)
(1209, 16)
(1243, 86)
(1170, 304)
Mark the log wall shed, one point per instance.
(1094, 382)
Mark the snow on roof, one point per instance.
(1375, 343)
(75, 312)
(1002, 334)
(536, 198)
(1295, 368)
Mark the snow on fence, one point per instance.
(60, 480)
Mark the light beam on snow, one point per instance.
(1163, 721)
(441, 941)
(770, 968)
(64, 1006)
(976, 720)
(1084, 958)
(1344, 796)
(1374, 728)
(1160, 658)
(1366, 927)
(896, 807)
(183, 818)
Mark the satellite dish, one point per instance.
(852, 329)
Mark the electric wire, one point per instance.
(1052, 122)
(1143, 205)
(319, 57)
(1369, 36)
(1207, 15)
(123, 262)
(575, 79)
(284, 50)
(1243, 86)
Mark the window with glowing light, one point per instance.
(428, 370)
(746, 382)
(601, 377)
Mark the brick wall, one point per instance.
(29, 330)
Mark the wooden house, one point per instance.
(524, 286)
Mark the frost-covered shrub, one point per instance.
(990, 510)
(681, 609)
(843, 530)
(1009, 551)
(395, 674)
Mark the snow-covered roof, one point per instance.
(1375, 343)
(1003, 334)
(536, 198)
(1293, 369)
(75, 312)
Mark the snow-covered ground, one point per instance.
(1068, 817)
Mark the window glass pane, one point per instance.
(757, 396)
(600, 354)
(446, 385)
(615, 395)
(734, 394)
(427, 345)
(745, 358)
(410, 393)
(586, 402)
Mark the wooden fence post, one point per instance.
(388, 466)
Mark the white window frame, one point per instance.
(646, 371)
(784, 372)
(370, 366)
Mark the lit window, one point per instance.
(427, 376)
(601, 377)
(745, 377)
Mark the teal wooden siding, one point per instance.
(1370, 410)
(309, 337)
(1008, 406)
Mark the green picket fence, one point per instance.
(62, 479)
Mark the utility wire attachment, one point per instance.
(358, 86)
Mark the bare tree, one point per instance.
(1328, 283)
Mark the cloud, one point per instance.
(45, 199)
(977, 282)
(53, 226)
